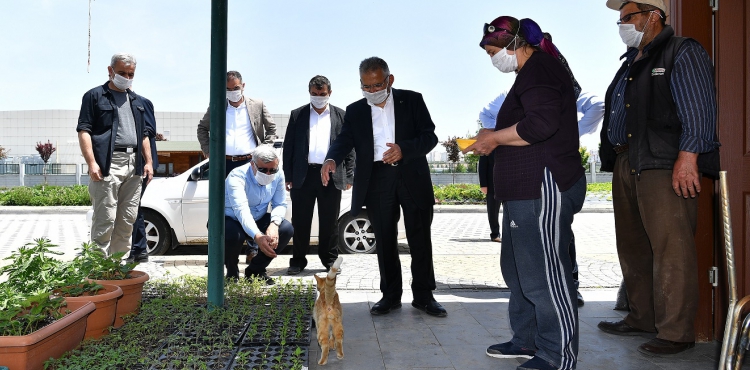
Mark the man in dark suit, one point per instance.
(138, 252)
(311, 129)
(392, 132)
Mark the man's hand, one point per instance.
(264, 244)
(685, 178)
(148, 172)
(484, 190)
(348, 186)
(329, 166)
(205, 155)
(273, 232)
(95, 173)
(393, 154)
(288, 186)
(486, 143)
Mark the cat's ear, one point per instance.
(318, 279)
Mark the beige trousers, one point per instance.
(115, 200)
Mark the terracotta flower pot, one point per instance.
(103, 317)
(130, 300)
(29, 352)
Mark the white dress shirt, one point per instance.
(590, 112)
(383, 127)
(240, 135)
(320, 135)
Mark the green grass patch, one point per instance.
(47, 195)
(599, 187)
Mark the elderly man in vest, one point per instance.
(658, 139)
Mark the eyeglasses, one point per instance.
(375, 86)
(267, 171)
(488, 28)
(627, 17)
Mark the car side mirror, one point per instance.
(196, 174)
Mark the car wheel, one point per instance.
(356, 234)
(158, 233)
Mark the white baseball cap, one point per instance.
(617, 4)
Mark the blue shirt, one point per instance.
(691, 83)
(590, 112)
(246, 200)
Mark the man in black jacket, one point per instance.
(658, 138)
(392, 132)
(138, 251)
(111, 133)
(312, 127)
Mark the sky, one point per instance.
(430, 46)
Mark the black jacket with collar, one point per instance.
(297, 148)
(99, 118)
(415, 135)
(651, 120)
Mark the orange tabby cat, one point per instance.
(328, 315)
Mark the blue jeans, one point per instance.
(536, 265)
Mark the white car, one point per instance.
(175, 210)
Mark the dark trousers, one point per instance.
(230, 165)
(235, 237)
(139, 241)
(493, 210)
(329, 204)
(385, 193)
(536, 265)
(655, 232)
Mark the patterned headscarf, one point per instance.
(501, 31)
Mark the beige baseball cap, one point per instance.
(617, 4)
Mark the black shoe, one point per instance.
(384, 306)
(259, 276)
(580, 299)
(431, 308)
(660, 347)
(293, 270)
(619, 328)
(138, 258)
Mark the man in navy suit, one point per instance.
(391, 132)
(138, 252)
(311, 129)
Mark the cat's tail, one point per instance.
(335, 267)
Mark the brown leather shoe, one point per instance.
(659, 347)
(619, 328)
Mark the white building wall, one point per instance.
(21, 130)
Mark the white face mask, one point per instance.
(122, 83)
(234, 95)
(263, 179)
(376, 97)
(630, 36)
(505, 62)
(319, 101)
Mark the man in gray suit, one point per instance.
(248, 124)
(312, 128)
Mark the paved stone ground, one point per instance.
(464, 258)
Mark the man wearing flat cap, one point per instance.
(658, 139)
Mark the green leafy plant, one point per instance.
(26, 316)
(93, 263)
(34, 270)
(50, 195)
(584, 157)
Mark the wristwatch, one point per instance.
(277, 222)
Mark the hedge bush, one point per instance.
(47, 195)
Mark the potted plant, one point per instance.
(33, 330)
(35, 270)
(104, 298)
(109, 270)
